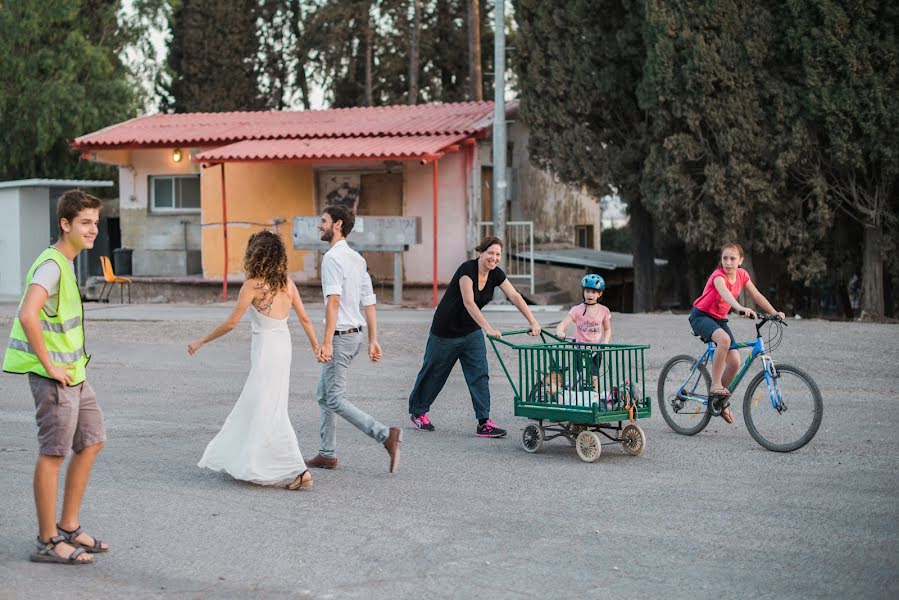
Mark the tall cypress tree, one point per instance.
(579, 65)
(849, 57)
(724, 92)
(213, 57)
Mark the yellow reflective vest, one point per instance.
(63, 333)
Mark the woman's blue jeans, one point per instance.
(441, 355)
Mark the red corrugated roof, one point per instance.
(199, 129)
(383, 147)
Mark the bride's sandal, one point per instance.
(46, 553)
(302, 482)
(70, 536)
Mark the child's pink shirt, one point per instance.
(711, 302)
(589, 328)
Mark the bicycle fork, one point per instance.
(771, 377)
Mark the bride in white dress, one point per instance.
(257, 443)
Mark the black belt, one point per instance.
(346, 331)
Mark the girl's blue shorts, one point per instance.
(704, 325)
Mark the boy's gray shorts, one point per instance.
(68, 417)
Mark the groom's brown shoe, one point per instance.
(393, 447)
(322, 462)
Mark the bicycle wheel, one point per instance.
(686, 417)
(796, 424)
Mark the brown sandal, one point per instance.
(727, 415)
(70, 536)
(301, 482)
(46, 553)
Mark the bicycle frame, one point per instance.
(757, 350)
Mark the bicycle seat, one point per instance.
(704, 341)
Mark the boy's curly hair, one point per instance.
(266, 258)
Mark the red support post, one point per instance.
(434, 290)
(225, 237)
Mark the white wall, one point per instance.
(141, 228)
(554, 207)
(26, 236)
(10, 251)
(35, 224)
(452, 218)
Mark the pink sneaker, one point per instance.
(421, 422)
(489, 430)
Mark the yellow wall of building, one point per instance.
(257, 194)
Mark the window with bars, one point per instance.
(583, 236)
(175, 193)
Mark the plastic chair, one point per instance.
(110, 279)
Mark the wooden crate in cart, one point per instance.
(590, 394)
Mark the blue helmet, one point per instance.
(593, 282)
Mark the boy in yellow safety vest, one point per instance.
(47, 343)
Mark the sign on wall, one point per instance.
(371, 234)
(342, 189)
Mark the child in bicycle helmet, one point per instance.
(708, 318)
(592, 320)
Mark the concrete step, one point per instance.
(544, 286)
(545, 292)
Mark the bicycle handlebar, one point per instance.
(764, 319)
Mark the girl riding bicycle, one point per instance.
(709, 318)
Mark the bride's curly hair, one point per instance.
(266, 258)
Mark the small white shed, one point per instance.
(28, 211)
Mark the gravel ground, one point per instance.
(710, 516)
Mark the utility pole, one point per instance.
(498, 191)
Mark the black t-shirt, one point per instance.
(451, 319)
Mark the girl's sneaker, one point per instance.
(489, 430)
(422, 422)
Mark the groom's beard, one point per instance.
(327, 235)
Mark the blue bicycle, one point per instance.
(782, 407)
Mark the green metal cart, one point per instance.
(582, 392)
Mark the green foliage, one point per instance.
(849, 61)
(727, 131)
(579, 65)
(212, 57)
(60, 77)
(327, 44)
(617, 239)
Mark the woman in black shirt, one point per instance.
(456, 336)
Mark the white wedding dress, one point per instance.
(257, 443)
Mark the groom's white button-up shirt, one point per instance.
(344, 272)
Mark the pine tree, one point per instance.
(723, 91)
(850, 64)
(213, 57)
(579, 65)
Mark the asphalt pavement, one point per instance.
(710, 516)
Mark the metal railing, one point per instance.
(519, 245)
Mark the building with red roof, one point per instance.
(193, 187)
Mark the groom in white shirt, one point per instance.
(346, 286)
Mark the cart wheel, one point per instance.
(574, 430)
(588, 446)
(633, 440)
(532, 438)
